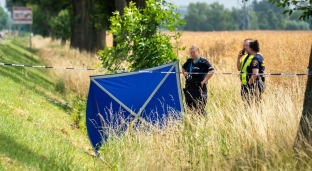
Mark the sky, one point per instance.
(2, 3)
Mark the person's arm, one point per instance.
(184, 72)
(254, 76)
(184, 68)
(238, 62)
(255, 71)
(209, 74)
(207, 78)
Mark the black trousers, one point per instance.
(196, 99)
(253, 93)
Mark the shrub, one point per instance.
(139, 40)
(79, 113)
(60, 86)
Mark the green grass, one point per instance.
(36, 134)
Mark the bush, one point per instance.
(139, 40)
(60, 86)
(79, 113)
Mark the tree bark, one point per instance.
(120, 5)
(303, 141)
(84, 34)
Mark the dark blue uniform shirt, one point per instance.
(202, 66)
(257, 63)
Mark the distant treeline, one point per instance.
(262, 16)
(4, 20)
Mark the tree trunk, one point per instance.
(120, 5)
(84, 34)
(303, 140)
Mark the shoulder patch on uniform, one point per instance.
(254, 63)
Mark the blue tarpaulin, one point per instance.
(118, 99)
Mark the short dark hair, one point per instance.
(254, 45)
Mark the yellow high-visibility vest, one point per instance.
(243, 75)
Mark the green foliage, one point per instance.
(238, 16)
(60, 86)
(43, 12)
(304, 6)
(3, 19)
(79, 113)
(140, 42)
(269, 17)
(101, 13)
(296, 25)
(263, 15)
(61, 25)
(204, 17)
(38, 17)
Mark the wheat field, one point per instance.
(232, 136)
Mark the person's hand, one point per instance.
(185, 74)
(250, 82)
(240, 54)
(202, 84)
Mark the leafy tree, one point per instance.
(39, 17)
(43, 11)
(238, 16)
(303, 6)
(3, 19)
(61, 26)
(296, 14)
(196, 17)
(205, 17)
(296, 25)
(220, 17)
(269, 17)
(140, 42)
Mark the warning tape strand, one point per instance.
(46, 67)
(149, 71)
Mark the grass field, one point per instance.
(231, 137)
(36, 134)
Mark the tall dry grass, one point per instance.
(232, 136)
(53, 54)
(284, 51)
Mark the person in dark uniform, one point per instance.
(255, 86)
(195, 90)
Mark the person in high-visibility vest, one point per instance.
(195, 90)
(251, 67)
